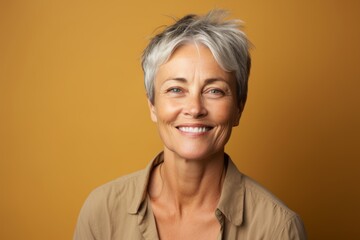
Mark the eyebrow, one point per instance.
(207, 81)
(176, 79)
(211, 80)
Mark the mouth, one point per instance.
(193, 129)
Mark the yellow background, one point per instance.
(73, 111)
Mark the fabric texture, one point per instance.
(121, 210)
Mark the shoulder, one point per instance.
(120, 189)
(108, 205)
(265, 211)
(260, 197)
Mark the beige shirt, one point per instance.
(121, 210)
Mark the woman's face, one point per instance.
(195, 104)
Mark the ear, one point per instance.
(152, 109)
(238, 114)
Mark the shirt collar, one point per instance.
(142, 183)
(231, 202)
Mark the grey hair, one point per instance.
(228, 44)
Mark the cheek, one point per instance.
(226, 119)
(167, 111)
(225, 114)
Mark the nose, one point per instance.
(194, 106)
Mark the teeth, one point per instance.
(194, 129)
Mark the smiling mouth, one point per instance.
(194, 129)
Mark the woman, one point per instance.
(196, 74)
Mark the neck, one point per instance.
(191, 184)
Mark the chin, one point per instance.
(195, 152)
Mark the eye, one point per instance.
(215, 92)
(174, 90)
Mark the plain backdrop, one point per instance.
(73, 112)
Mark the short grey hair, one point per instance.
(225, 39)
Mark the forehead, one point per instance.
(195, 52)
(192, 58)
